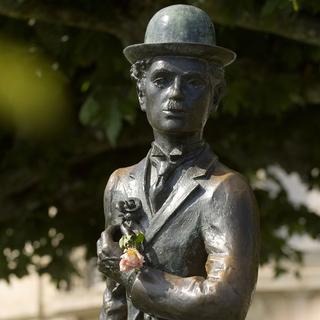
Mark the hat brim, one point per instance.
(215, 54)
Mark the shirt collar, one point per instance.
(177, 153)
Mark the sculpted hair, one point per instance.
(218, 82)
(217, 78)
(138, 70)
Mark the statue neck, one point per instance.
(168, 142)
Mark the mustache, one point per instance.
(173, 105)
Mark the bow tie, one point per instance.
(165, 162)
(172, 157)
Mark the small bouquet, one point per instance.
(132, 240)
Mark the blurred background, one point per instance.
(69, 116)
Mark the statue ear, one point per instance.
(218, 93)
(141, 96)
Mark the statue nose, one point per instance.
(176, 89)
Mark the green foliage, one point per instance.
(272, 5)
(107, 117)
(269, 116)
(131, 241)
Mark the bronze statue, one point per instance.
(199, 256)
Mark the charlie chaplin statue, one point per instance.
(198, 217)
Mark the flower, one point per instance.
(131, 259)
(132, 204)
(130, 209)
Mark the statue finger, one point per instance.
(109, 260)
(106, 236)
(103, 238)
(99, 247)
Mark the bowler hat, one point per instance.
(180, 30)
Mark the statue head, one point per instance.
(179, 69)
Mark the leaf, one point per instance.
(126, 241)
(121, 243)
(103, 114)
(128, 106)
(85, 86)
(113, 123)
(269, 7)
(89, 113)
(295, 5)
(139, 238)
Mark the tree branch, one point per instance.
(51, 13)
(129, 24)
(299, 27)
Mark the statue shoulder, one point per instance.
(230, 195)
(121, 175)
(115, 191)
(231, 182)
(118, 175)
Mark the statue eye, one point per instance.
(195, 82)
(162, 80)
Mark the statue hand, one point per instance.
(108, 252)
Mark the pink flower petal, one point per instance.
(131, 259)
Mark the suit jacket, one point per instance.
(201, 246)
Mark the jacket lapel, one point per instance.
(137, 185)
(186, 186)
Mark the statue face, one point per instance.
(177, 95)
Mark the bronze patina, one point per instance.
(199, 218)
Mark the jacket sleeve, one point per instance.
(114, 302)
(114, 297)
(230, 231)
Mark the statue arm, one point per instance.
(114, 297)
(114, 302)
(230, 232)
